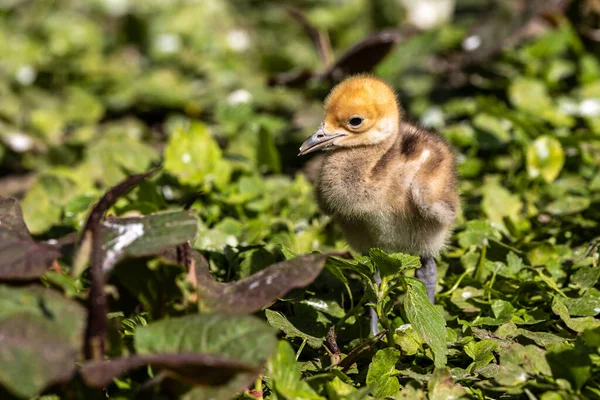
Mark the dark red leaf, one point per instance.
(21, 258)
(193, 368)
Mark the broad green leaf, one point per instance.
(111, 158)
(194, 157)
(587, 305)
(577, 324)
(285, 376)
(408, 339)
(267, 155)
(460, 298)
(237, 337)
(39, 209)
(498, 203)
(481, 352)
(278, 320)
(530, 95)
(390, 265)
(570, 362)
(518, 362)
(586, 277)
(441, 386)
(568, 205)
(381, 374)
(545, 158)
(42, 335)
(426, 320)
(478, 233)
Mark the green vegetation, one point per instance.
(93, 94)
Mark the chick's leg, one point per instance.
(373, 313)
(428, 275)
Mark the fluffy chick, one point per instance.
(386, 182)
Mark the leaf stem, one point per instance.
(479, 273)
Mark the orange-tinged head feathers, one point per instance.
(361, 95)
(360, 111)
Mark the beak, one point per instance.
(319, 140)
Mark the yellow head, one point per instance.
(360, 111)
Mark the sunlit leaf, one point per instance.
(545, 158)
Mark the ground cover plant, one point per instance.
(159, 236)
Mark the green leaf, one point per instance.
(498, 203)
(237, 337)
(481, 352)
(381, 374)
(267, 155)
(39, 209)
(279, 321)
(545, 158)
(285, 376)
(194, 157)
(586, 277)
(568, 205)
(393, 264)
(441, 386)
(426, 320)
(111, 158)
(517, 362)
(478, 233)
(530, 95)
(408, 339)
(577, 324)
(240, 338)
(42, 334)
(572, 363)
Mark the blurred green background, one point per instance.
(91, 91)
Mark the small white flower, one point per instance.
(239, 96)
(186, 158)
(116, 7)
(434, 116)
(25, 75)
(590, 108)
(238, 40)
(471, 43)
(167, 192)
(168, 43)
(18, 142)
(425, 14)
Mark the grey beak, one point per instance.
(318, 140)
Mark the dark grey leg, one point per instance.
(428, 275)
(374, 319)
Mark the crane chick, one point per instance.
(386, 182)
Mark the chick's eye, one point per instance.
(355, 121)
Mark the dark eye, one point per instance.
(355, 121)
